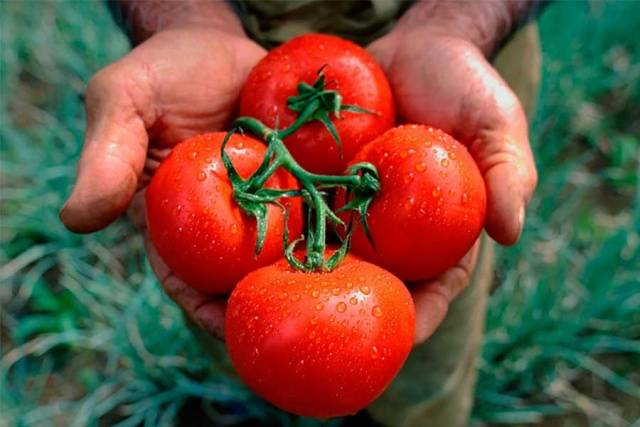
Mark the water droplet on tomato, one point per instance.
(319, 306)
(234, 228)
(194, 154)
(315, 293)
(436, 191)
(420, 167)
(341, 307)
(365, 289)
(465, 198)
(295, 297)
(335, 291)
(314, 321)
(374, 352)
(452, 155)
(349, 285)
(202, 176)
(376, 311)
(353, 300)
(444, 163)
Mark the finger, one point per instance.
(206, 311)
(432, 299)
(506, 163)
(114, 150)
(496, 132)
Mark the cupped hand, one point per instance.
(446, 82)
(177, 84)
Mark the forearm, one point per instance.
(143, 18)
(485, 23)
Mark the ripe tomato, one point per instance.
(431, 206)
(349, 69)
(196, 226)
(320, 344)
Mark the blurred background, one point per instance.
(88, 338)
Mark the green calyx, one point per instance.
(360, 182)
(316, 103)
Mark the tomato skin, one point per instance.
(431, 207)
(320, 344)
(196, 226)
(349, 69)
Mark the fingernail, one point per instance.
(520, 221)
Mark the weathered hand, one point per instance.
(178, 83)
(447, 82)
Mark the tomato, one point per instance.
(195, 224)
(431, 206)
(349, 69)
(319, 344)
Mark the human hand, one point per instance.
(178, 83)
(450, 85)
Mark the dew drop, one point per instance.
(314, 321)
(315, 293)
(374, 352)
(465, 198)
(353, 300)
(319, 306)
(202, 176)
(436, 191)
(234, 228)
(341, 307)
(335, 291)
(194, 154)
(365, 289)
(420, 167)
(349, 285)
(376, 311)
(444, 163)
(452, 155)
(295, 297)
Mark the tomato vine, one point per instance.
(361, 181)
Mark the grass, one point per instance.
(89, 339)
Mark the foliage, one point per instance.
(88, 338)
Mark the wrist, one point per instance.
(484, 24)
(142, 19)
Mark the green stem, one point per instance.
(313, 103)
(301, 120)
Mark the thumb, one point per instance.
(114, 149)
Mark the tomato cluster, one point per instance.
(320, 332)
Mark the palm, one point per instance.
(450, 85)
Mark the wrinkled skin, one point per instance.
(320, 344)
(446, 82)
(179, 83)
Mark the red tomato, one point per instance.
(431, 207)
(196, 226)
(320, 344)
(349, 69)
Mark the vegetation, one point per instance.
(88, 337)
